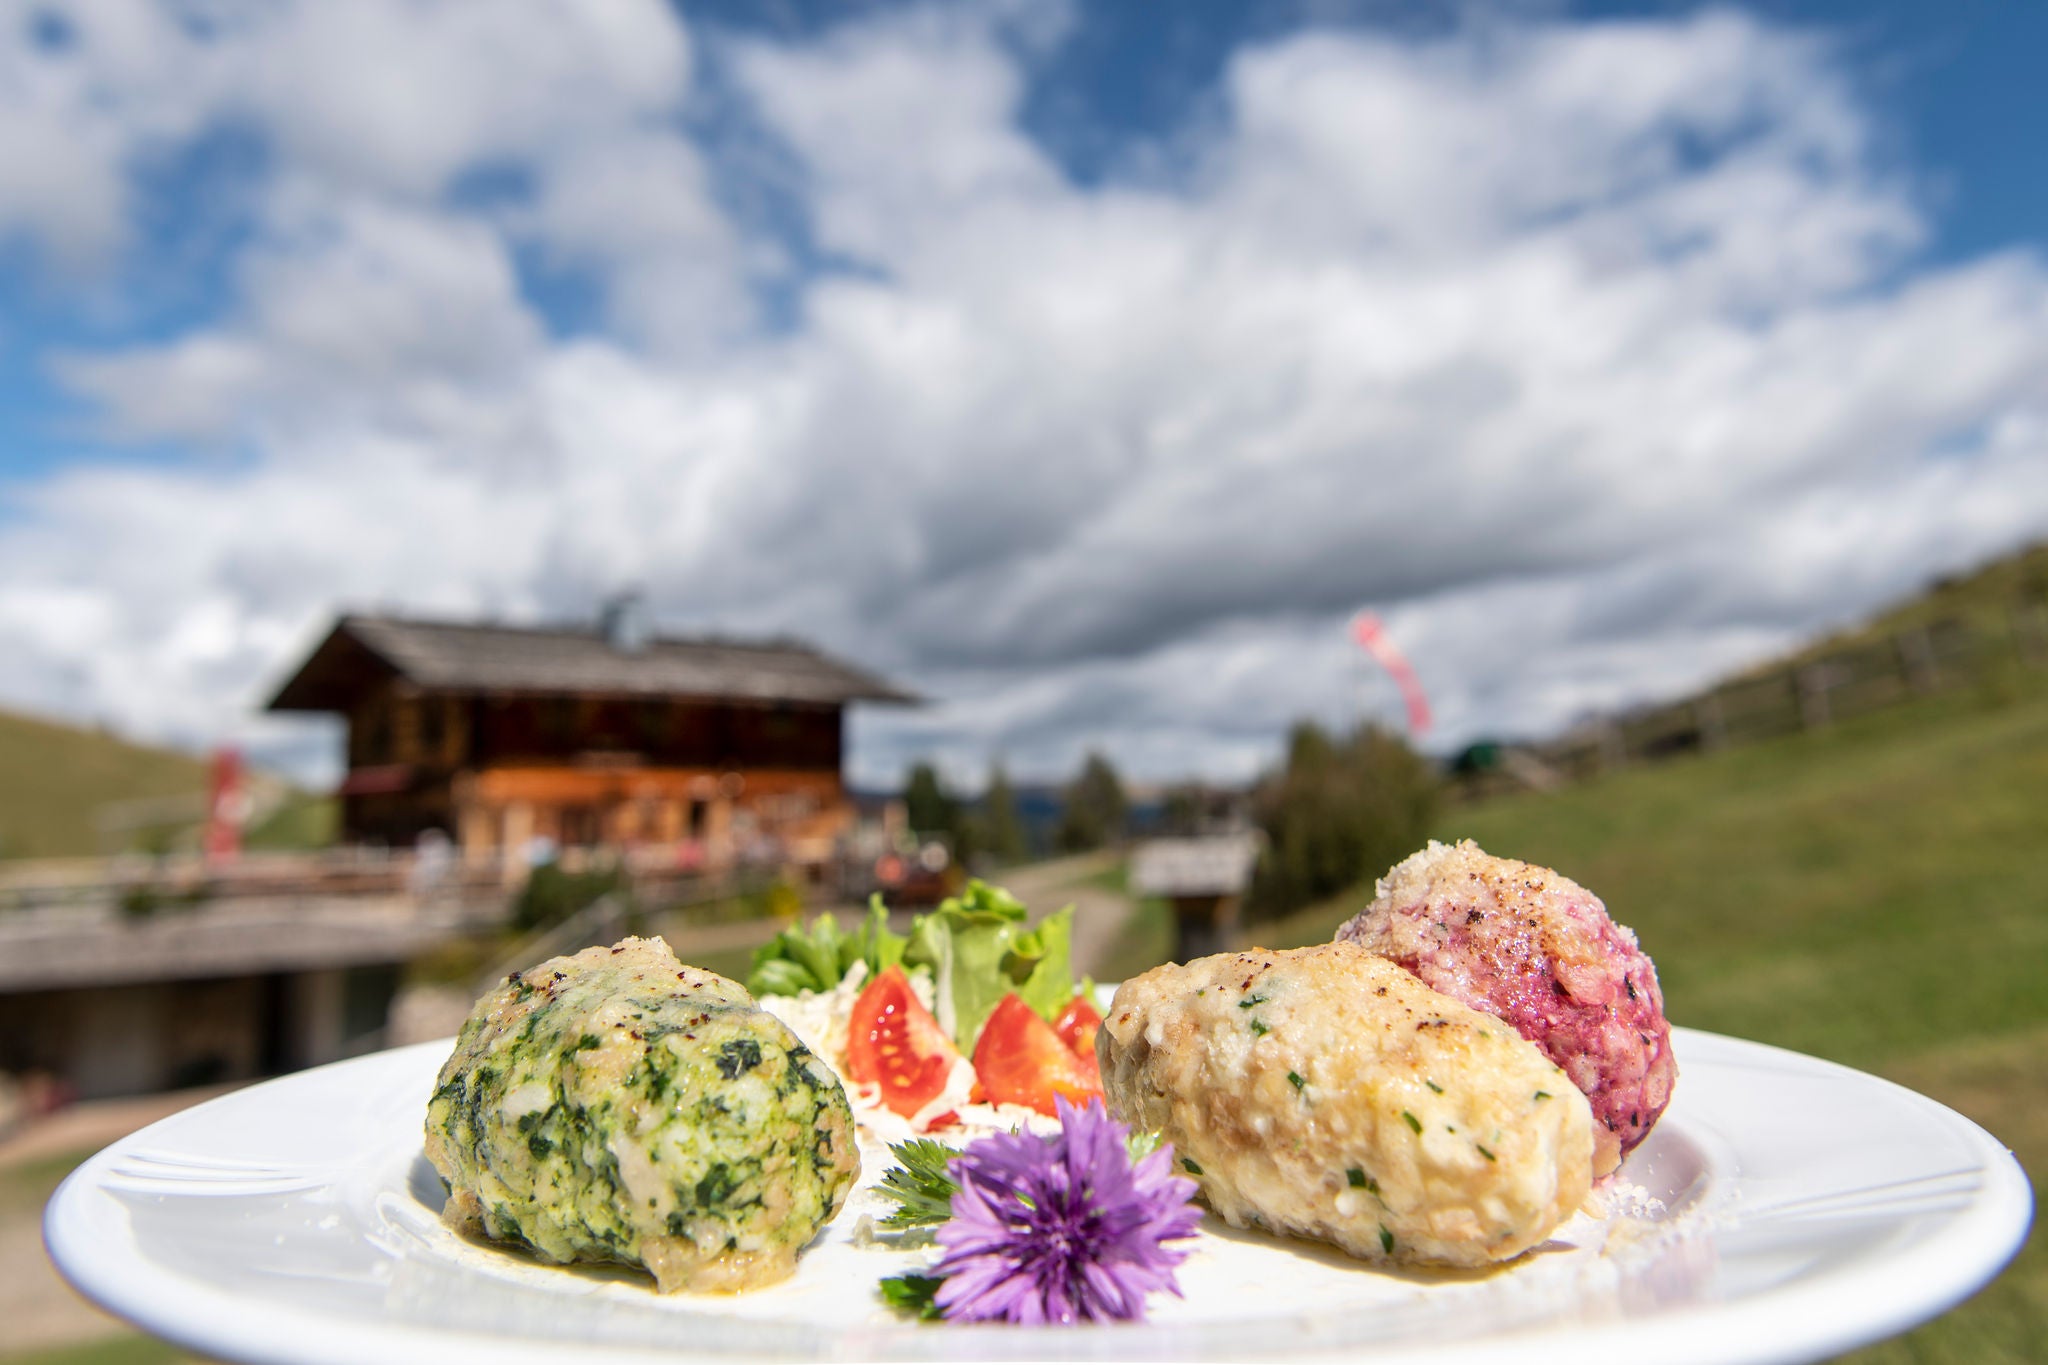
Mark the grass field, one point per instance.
(1876, 893)
(1983, 598)
(54, 777)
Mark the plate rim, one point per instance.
(1802, 1320)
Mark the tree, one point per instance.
(551, 895)
(925, 803)
(1002, 833)
(1337, 814)
(1190, 809)
(1094, 807)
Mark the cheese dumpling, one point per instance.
(619, 1106)
(1327, 1093)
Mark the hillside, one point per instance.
(54, 778)
(1982, 598)
(1982, 628)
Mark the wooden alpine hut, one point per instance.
(499, 736)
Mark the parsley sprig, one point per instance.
(919, 1184)
(924, 1192)
(917, 1295)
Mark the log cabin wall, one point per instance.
(497, 772)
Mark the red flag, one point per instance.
(226, 807)
(1366, 629)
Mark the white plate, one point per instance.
(1802, 1208)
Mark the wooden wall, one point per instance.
(493, 771)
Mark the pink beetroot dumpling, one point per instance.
(1538, 951)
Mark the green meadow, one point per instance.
(57, 780)
(54, 778)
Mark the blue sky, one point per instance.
(1082, 366)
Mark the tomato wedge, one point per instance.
(894, 1042)
(1077, 1027)
(1021, 1060)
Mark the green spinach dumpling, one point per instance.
(617, 1105)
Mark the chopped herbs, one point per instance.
(1386, 1239)
(1413, 1122)
(1140, 1143)
(1361, 1181)
(1433, 1085)
(738, 1056)
(716, 1187)
(1543, 1094)
(1259, 1029)
(1483, 1152)
(1251, 1000)
(1190, 1166)
(1294, 1079)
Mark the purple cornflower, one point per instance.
(1062, 1229)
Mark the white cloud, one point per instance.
(81, 94)
(1595, 355)
(405, 94)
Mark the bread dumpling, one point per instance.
(1327, 1093)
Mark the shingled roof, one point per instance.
(447, 656)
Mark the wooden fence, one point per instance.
(1858, 678)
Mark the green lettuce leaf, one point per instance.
(1043, 956)
(818, 959)
(978, 950)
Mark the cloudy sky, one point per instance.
(1082, 368)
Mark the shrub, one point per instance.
(1338, 813)
(551, 895)
(1094, 807)
(1000, 831)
